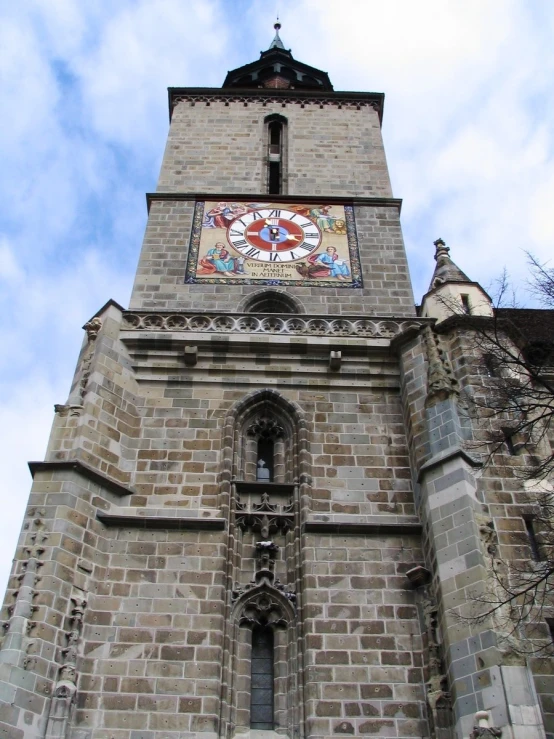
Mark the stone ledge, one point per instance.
(367, 527)
(175, 522)
(75, 465)
(260, 197)
(446, 456)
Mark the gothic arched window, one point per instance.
(263, 689)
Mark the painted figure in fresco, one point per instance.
(218, 217)
(323, 218)
(222, 214)
(217, 259)
(329, 264)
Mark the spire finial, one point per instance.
(277, 43)
(441, 250)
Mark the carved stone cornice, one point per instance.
(254, 197)
(319, 99)
(184, 523)
(285, 324)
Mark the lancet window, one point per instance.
(275, 135)
(262, 680)
(265, 441)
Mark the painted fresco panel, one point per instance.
(274, 244)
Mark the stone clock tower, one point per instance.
(255, 510)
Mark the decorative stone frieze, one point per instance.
(265, 517)
(375, 328)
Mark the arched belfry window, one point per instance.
(271, 301)
(276, 147)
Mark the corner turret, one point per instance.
(451, 292)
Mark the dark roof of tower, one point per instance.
(278, 69)
(446, 270)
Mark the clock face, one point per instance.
(273, 235)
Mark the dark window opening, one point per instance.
(465, 304)
(492, 365)
(534, 544)
(261, 686)
(266, 451)
(275, 129)
(550, 624)
(274, 157)
(274, 183)
(271, 302)
(510, 444)
(513, 441)
(539, 353)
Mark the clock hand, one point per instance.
(291, 237)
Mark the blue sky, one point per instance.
(468, 128)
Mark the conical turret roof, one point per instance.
(446, 270)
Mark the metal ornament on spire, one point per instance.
(277, 43)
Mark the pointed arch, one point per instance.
(292, 463)
(265, 608)
(264, 605)
(270, 301)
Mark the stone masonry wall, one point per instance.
(364, 658)
(219, 147)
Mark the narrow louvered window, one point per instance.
(276, 153)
